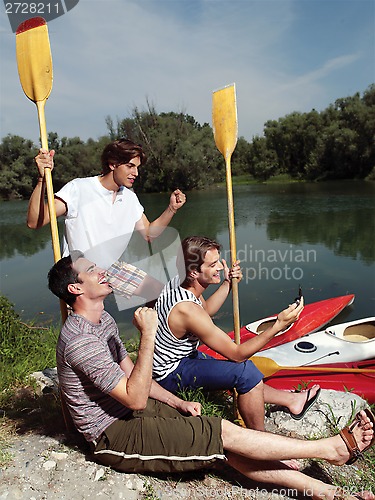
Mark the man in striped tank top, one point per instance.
(134, 425)
(185, 320)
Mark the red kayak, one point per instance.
(362, 384)
(313, 318)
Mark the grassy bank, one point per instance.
(24, 348)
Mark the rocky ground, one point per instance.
(46, 465)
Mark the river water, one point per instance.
(318, 235)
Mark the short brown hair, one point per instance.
(63, 274)
(121, 151)
(192, 255)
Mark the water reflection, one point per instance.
(347, 232)
(334, 220)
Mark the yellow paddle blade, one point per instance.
(224, 119)
(34, 59)
(268, 367)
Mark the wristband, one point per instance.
(172, 210)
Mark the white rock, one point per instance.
(49, 465)
(57, 455)
(139, 484)
(91, 470)
(99, 474)
(129, 484)
(11, 494)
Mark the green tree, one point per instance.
(181, 152)
(16, 167)
(337, 143)
(241, 157)
(263, 162)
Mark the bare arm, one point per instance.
(134, 388)
(158, 392)
(217, 299)
(192, 318)
(38, 214)
(151, 230)
(155, 390)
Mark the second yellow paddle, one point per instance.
(269, 367)
(224, 120)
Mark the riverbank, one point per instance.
(46, 463)
(40, 461)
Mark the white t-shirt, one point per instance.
(96, 225)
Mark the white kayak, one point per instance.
(341, 343)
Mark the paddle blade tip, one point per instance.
(34, 22)
(225, 87)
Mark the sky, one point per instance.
(110, 56)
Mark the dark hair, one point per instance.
(61, 275)
(192, 255)
(121, 151)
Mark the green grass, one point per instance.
(214, 404)
(23, 349)
(7, 431)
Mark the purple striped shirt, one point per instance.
(88, 357)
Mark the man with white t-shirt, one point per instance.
(102, 212)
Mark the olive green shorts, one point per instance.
(160, 439)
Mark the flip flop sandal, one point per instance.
(308, 404)
(347, 436)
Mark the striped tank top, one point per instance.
(169, 350)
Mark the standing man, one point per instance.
(185, 320)
(134, 425)
(102, 212)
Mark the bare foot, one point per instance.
(300, 399)
(342, 494)
(362, 432)
(364, 495)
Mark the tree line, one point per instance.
(336, 143)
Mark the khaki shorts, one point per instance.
(160, 439)
(125, 278)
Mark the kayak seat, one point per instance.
(360, 333)
(268, 324)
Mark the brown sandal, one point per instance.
(347, 435)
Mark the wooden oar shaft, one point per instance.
(49, 186)
(233, 251)
(232, 234)
(50, 198)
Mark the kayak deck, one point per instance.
(313, 317)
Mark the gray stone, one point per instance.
(46, 380)
(330, 413)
